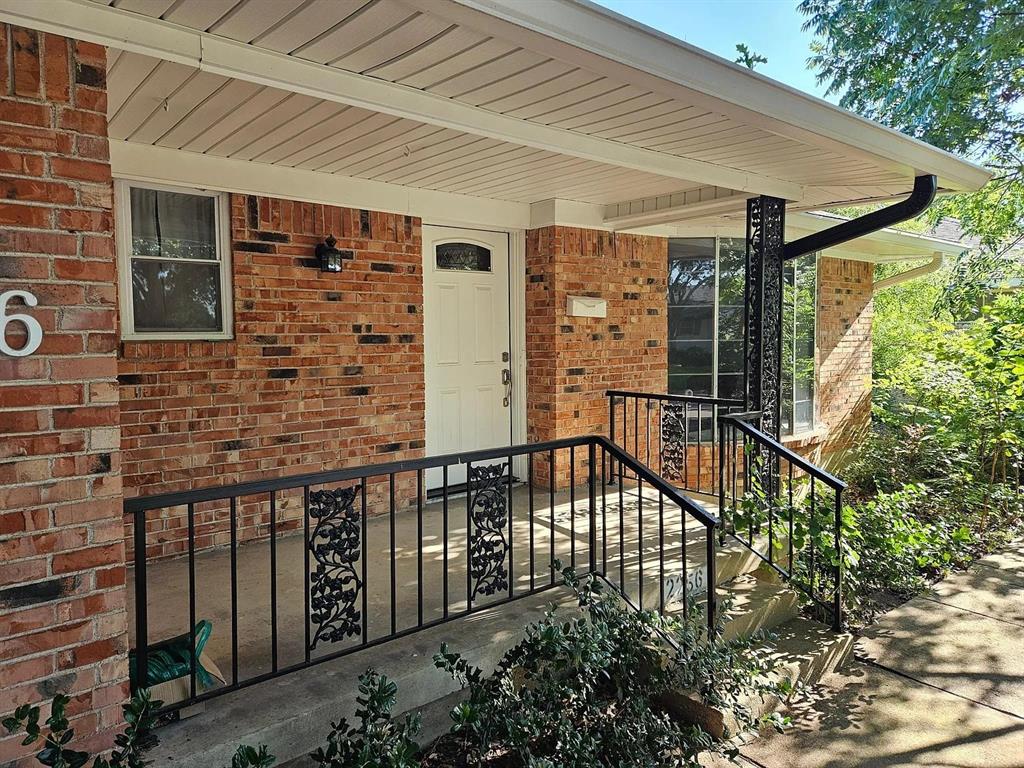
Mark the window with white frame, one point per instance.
(705, 325)
(175, 262)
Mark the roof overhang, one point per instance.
(497, 100)
(884, 245)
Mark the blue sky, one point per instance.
(769, 27)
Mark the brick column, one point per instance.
(572, 361)
(62, 566)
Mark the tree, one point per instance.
(748, 58)
(949, 72)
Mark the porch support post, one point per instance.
(766, 219)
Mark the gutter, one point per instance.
(920, 198)
(910, 274)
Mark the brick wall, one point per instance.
(62, 596)
(572, 361)
(325, 370)
(845, 312)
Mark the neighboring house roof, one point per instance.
(450, 101)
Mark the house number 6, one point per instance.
(32, 326)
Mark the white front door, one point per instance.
(466, 343)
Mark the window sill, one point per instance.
(808, 437)
(143, 337)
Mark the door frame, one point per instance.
(516, 239)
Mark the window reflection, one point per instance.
(706, 286)
(175, 296)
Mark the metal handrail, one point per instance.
(731, 402)
(729, 462)
(742, 422)
(291, 482)
(591, 539)
(677, 443)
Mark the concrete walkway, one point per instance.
(937, 682)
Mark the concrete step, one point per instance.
(732, 560)
(805, 651)
(292, 714)
(756, 604)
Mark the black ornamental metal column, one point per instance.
(766, 219)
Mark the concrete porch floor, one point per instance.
(168, 580)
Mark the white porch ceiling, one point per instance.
(489, 98)
(172, 105)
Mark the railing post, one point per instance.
(837, 620)
(592, 488)
(721, 468)
(611, 436)
(712, 579)
(141, 600)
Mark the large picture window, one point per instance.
(799, 294)
(706, 278)
(175, 263)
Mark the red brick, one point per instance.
(84, 416)
(75, 220)
(57, 68)
(49, 243)
(84, 319)
(47, 640)
(37, 191)
(89, 271)
(43, 139)
(97, 246)
(13, 368)
(82, 170)
(85, 559)
(88, 368)
(12, 422)
(26, 114)
(24, 215)
(26, 61)
(40, 395)
(26, 165)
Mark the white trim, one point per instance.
(222, 225)
(593, 37)
(149, 164)
(210, 53)
(666, 209)
(517, 300)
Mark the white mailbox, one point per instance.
(587, 306)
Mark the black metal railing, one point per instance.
(784, 508)
(676, 435)
(308, 568)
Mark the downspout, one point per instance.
(920, 198)
(910, 274)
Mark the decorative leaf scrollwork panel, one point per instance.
(674, 441)
(488, 542)
(335, 544)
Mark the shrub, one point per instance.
(589, 691)
(377, 741)
(128, 745)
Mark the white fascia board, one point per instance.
(602, 41)
(153, 37)
(143, 162)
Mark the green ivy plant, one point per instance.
(377, 741)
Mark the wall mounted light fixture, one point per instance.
(329, 256)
